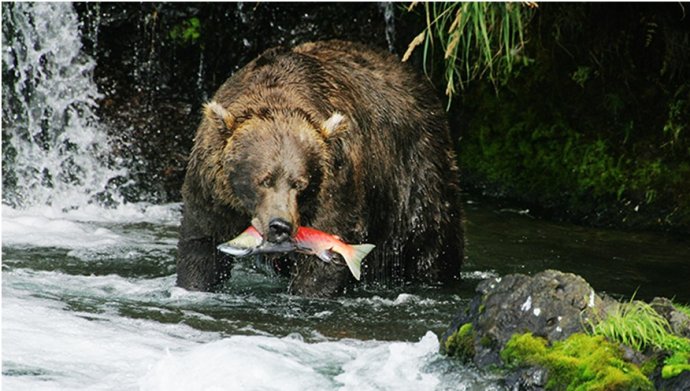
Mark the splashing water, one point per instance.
(55, 151)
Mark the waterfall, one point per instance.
(54, 150)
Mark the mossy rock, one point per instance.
(461, 343)
(580, 362)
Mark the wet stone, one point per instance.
(550, 304)
(679, 322)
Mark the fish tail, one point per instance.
(353, 258)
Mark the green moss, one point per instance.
(649, 366)
(581, 362)
(678, 362)
(461, 343)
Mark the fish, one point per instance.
(250, 242)
(307, 240)
(323, 244)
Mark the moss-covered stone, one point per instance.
(580, 362)
(461, 343)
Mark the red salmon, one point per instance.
(319, 243)
(306, 241)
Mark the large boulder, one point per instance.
(550, 304)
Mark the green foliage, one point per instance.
(675, 364)
(590, 130)
(637, 325)
(581, 75)
(581, 362)
(676, 124)
(544, 158)
(187, 32)
(634, 324)
(477, 40)
(461, 343)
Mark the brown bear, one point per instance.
(332, 135)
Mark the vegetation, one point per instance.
(477, 40)
(581, 362)
(637, 325)
(187, 32)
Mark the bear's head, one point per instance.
(275, 163)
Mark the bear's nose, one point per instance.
(279, 230)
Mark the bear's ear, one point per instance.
(337, 122)
(218, 115)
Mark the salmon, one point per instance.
(306, 241)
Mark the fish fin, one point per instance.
(354, 262)
(326, 256)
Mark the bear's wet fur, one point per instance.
(332, 135)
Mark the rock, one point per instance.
(680, 382)
(527, 379)
(550, 304)
(679, 321)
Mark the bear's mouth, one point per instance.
(277, 231)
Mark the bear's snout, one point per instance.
(279, 230)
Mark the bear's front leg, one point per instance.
(313, 277)
(200, 266)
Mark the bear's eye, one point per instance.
(298, 184)
(267, 181)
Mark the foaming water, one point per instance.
(48, 346)
(291, 364)
(46, 226)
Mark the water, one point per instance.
(89, 302)
(623, 264)
(88, 288)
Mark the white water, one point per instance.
(88, 292)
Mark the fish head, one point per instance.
(275, 165)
